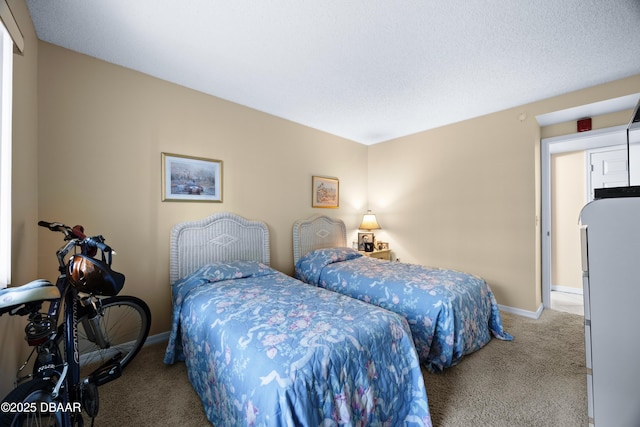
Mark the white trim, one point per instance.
(157, 339)
(6, 103)
(108, 353)
(567, 289)
(562, 144)
(520, 312)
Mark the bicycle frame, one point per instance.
(67, 366)
(71, 385)
(72, 392)
(84, 295)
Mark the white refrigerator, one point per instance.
(611, 278)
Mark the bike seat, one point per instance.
(37, 290)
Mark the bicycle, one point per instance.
(100, 333)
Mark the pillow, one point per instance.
(335, 254)
(309, 266)
(228, 270)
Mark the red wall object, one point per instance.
(584, 124)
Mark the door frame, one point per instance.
(598, 138)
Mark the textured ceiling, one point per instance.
(366, 70)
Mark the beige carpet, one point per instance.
(539, 379)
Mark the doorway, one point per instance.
(596, 139)
(574, 176)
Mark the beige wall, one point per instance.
(102, 129)
(568, 197)
(25, 191)
(467, 196)
(464, 197)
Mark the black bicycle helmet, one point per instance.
(94, 276)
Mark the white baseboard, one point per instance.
(520, 312)
(157, 338)
(567, 289)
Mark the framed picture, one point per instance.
(192, 179)
(365, 241)
(382, 245)
(325, 192)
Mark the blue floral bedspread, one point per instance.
(264, 349)
(450, 313)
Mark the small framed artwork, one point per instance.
(382, 245)
(192, 179)
(365, 241)
(325, 192)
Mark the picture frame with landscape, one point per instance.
(190, 178)
(325, 192)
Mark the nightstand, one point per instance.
(381, 254)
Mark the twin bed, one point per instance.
(264, 349)
(450, 313)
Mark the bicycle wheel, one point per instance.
(124, 325)
(28, 405)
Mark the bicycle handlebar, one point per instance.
(90, 245)
(56, 226)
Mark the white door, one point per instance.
(608, 168)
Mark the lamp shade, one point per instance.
(369, 222)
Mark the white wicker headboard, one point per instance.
(318, 232)
(221, 237)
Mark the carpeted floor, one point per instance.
(539, 379)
